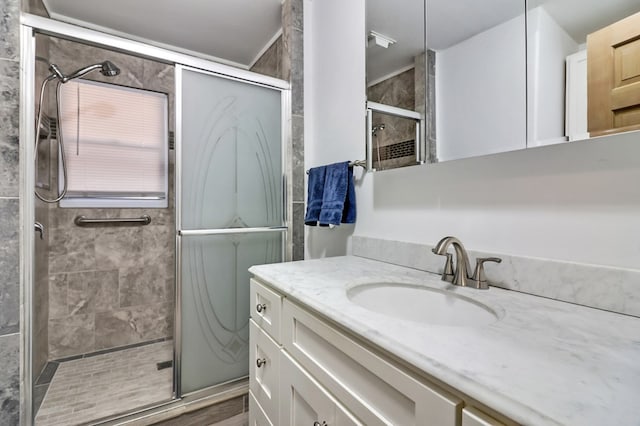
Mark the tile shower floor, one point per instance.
(103, 385)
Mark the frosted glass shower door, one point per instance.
(230, 217)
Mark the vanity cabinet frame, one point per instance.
(326, 374)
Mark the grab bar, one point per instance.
(85, 221)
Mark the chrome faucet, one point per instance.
(460, 274)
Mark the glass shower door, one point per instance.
(230, 216)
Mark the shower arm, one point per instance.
(81, 72)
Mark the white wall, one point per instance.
(481, 82)
(576, 201)
(548, 47)
(334, 38)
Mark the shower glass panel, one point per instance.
(215, 300)
(230, 217)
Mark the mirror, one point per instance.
(584, 69)
(500, 75)
(395, 64)
(480, 68)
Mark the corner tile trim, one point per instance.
(596, 286)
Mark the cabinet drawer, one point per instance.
(474, 417)
(375, 391)
(264, 370)
(266, 308)
(257, 416)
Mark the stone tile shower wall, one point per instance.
(293, 71)
(110, 286)
(9, 213)
(406, 90)
(284, 59)
(270, 63)
(398, 91)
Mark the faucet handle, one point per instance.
(447, 274)
(479, 279)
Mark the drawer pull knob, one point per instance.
(261, 362)
(319, 424)
(261, 307)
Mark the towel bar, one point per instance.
(85, 221)
(361, 163)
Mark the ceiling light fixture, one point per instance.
(377, 39)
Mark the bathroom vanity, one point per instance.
(325, 350)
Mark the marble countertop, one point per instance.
(543, 362)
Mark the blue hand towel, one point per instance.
(349, 211)
(315, 192)
(338, 200)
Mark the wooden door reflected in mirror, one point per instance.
(613, 77)
(583, 61)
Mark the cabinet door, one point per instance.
(257, 417)
(264, 370)
(374, 389)
(474, 417)
(305, 403)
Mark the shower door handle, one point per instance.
(224, 231)
(38, 226)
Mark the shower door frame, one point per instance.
(284, 228)
(30, 25)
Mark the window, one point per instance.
(116, 145)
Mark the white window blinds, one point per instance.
(116, 143)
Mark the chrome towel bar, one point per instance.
(123, 221)
(360, 163)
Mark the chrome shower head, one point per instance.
(377, 127)
(109, 69)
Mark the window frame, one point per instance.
(122, 200)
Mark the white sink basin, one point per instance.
(421, 304)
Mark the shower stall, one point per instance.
(131, 308)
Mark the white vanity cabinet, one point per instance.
(374, 390)
(307, 371)
(475, 417)
(304, 401)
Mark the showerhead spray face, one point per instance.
(109, 69)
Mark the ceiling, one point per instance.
(581, 17)
(237, 31)
(401, 20)
(450, 22)
(232, 31)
